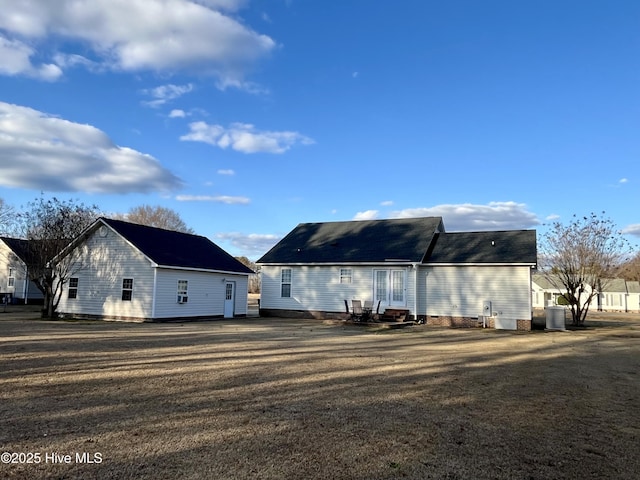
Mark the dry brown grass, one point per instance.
(272, 399)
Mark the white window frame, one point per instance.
(346, 275)
(127, 289)
(183, 291)
(73, 287)
(11, 281)
(286, 277)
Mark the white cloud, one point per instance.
(633, 229)
(164, 36)
(177, 113)
(252, 245)
(166, 93)
(214, 198)
(366, 215)
(244, 138)
(552, 217)
(226, 172)
(43, 152)
(16, 60)
(470, 217)
(623, 180)
(386, 203)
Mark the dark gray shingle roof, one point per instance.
(354, 242)
(175, 249)
(507, 246)
(19, 247)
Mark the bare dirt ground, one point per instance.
(274, 398)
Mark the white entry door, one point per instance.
(389, 287)
(229, 299)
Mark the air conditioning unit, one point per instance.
(182, 299)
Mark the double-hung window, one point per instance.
(11, 282)
(183, 291)
(73, 287)
(346, 275)
(285, 283)
(127, 289)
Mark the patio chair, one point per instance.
(356, 306)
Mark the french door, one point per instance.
(389, 287)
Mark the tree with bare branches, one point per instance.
(160, 217)
(630, 270)
(580, 258)
(7, 218)
(49, 226)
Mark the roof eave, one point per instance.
(205, 270)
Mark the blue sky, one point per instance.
(248, 117)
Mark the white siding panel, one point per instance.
(101, 264)
(318, 288)
(206, 292)
(460, 291)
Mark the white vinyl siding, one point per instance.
(107, 260)
(12, 266)
(206, 291)
(460, 291)
(318, 288)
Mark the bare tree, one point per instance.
(630, 270)
(49, 226)
(160, 217)
(254, 279)
(7, 218)
(580, 258)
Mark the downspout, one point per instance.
(415, 289)
(26, 287)
(155, 293)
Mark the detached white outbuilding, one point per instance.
(125, 271)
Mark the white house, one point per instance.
(545, 291)
(615, 297)
(440, 278)
(633, 296)
(15, 285)
(126, 271)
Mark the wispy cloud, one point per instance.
(226, 172)
(245, 138)
(623, 180)
(43, 152)
(469, 217)
(166, 93)
(251, 245)
(633, 229)
(177, 113)
(386, 203)
(214, 198)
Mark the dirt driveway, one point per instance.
(275, 399)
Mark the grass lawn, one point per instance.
(282, 398)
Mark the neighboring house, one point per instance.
(440, 278)
(633, 296)
(613, 296)
(14, 275)
(545, 291)
(617, 295)
(134, 272)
